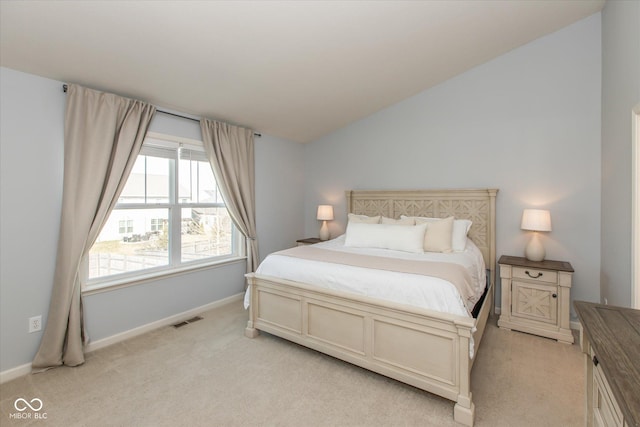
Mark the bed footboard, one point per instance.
(426, 349)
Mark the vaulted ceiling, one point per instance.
(293, 69)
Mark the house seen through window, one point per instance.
(170, 215)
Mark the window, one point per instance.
(125, 226)
(169, 216)
(158, 224)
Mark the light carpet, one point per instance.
(209, 374)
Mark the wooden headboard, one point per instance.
(479, 206)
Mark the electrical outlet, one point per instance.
(606, 302)
(35, 324)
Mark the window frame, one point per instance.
(174, 224)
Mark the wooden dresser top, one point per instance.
(614, 335)
(546, 264)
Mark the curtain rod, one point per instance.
(256, 134)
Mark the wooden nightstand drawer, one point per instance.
(546, 276)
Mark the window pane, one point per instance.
(157, 180)
(134, 190)
(206, 232)
(207, 188)
(197, 183)
(131, 240)
(148, 181)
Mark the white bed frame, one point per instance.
(423, 348)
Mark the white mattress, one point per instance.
(421, 291)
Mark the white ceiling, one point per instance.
(292, 69)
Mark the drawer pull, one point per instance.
(554, 295)
(595, 361)
(533, 277)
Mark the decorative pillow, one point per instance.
(386, 236)
(401, 221)
(461, 228)
(363, 219)
(438, 235)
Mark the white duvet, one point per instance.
(421, 291)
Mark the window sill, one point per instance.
(111, 285)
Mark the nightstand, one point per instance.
(536, 297)
(308, 241)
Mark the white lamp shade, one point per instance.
(536, 220)
(325, 212)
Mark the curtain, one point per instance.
(103, 134)
(230, 152)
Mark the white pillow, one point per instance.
(401, 221)
(363, 218)
(386, 236)
(461, 228)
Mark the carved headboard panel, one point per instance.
(479, 206)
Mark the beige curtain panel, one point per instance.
(231, 154)
(103, 134)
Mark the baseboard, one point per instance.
(18, 371)
(13, 373)
(177, 318)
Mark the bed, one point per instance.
(428, 349)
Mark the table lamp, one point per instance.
(325, 213)
(535, 220)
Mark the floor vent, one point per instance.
(186, 322)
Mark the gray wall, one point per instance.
(527, 123)
(31, 158)
(620, 93)
(31, 144)
(279, 194)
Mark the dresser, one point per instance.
(536, 297)
(610, 341)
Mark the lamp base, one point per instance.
(534, 251)
(324, 231)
